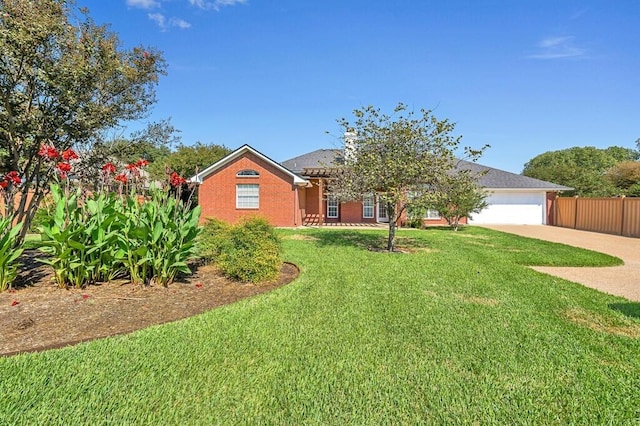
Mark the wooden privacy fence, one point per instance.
(619, 216)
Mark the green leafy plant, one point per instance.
(158, 238)
(104, 220)
(100, 236)
(212, 239)
(250, 251)
(8, 252)
(415, 217)
(44, 212)
(80, 238)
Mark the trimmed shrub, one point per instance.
(211, 239)
(249, 251)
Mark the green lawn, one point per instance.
(456, 332)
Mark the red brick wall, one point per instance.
(278, 197)
(312, 211)
(16, 201)
(316, 208)
(352, 213)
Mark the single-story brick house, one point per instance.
(293, 193)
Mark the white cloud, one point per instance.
(165, 23)
(215, 4)
(143, 4)
(180, 23)
(159, 19)
(557, 48)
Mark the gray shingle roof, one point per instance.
(496, 178)
(492, 179)
(319, 159)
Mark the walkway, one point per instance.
(618, 280)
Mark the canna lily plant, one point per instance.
(106, 234)
(9, 249)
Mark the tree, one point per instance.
(400, 157)
(63, 78)
(186, 160)
(582, 168)
(625, 177)
(151, 144)
(459, 195)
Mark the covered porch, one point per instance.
(320, 209)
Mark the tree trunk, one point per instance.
(391, 241)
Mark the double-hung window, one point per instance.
(248, 196)
(332, 207)
(367, 206)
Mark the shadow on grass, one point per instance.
(630, 309)
(350, 239)
(445, 228)
(366, 240)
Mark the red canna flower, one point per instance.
(64, 167)
(63, 175)
(142, 163)
(109, 168)
(121, 178)
(49, 152)
(69, 154)
(131, 167)
(176, 180)
(13, 177)
(3, 184)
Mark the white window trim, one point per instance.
(248, 196)
(240, 175)
(330, 202)
(372, 206)
(432, 214)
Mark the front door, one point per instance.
(383, 214)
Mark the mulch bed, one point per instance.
(37, 315)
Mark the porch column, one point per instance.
(320, 195)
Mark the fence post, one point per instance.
(575, 212)
(622, 198)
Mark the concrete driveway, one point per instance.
(618, 280)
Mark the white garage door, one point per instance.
(521, 208)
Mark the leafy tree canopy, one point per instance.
(63, 79)
(625, 177)
(582, 168)
(187, 159)
(459, 195)
(400, 157)
(152, 144)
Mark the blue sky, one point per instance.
(523, 76)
